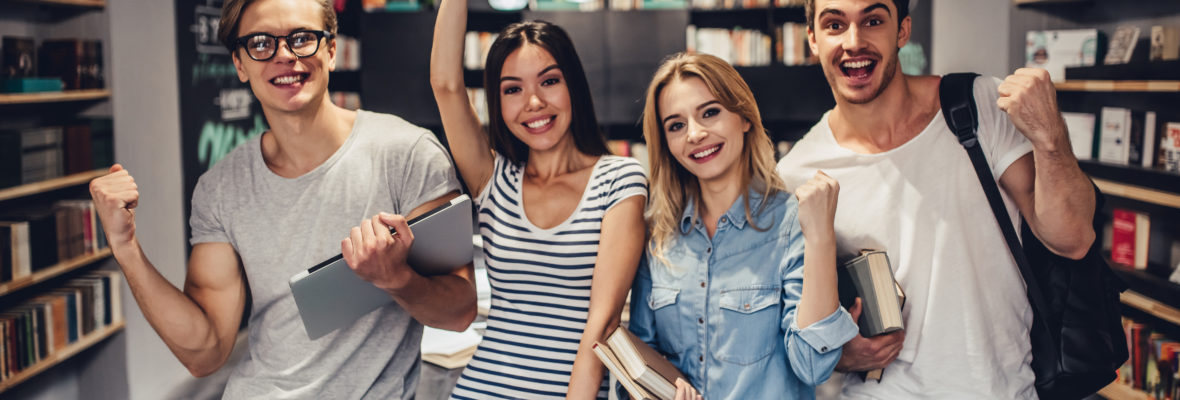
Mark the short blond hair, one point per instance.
(231, 20)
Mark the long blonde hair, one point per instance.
(672, 186)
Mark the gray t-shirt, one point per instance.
(280, 226)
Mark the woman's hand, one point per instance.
(817, 205)
(685, 391)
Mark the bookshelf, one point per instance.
(1119, 86)
(50, 185)
(54, 271)
(55, 97)
(62, 355)
(1119, 391)
(68, 3)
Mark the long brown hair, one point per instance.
(672, 186)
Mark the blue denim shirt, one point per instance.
(723, 311)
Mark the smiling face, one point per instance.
(534, 99)
(857, 43)
(285, 83)
(703, 136)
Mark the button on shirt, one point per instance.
(736, 337)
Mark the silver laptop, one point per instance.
(330, 296)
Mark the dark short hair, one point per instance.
(902, 6)
(231, 20)
(583, 125)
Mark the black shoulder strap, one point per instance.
(957, 95)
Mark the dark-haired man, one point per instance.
(280, 203)
(909, 188)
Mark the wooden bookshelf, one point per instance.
(53, 271)
(1118, 86)
(69, 3)
(63, 355)
(1150, 306)
(52, 184)
(54, 97)
(1158, 197)
(1118, 391)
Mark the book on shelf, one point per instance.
(19, 57)
(1165, 43)
(1129, 238)
(42, 234)
(737, 46)
(645, 372)
(1170, 147)
(1053, 50)
(1122, 45)
(1114, 134)
(1081, 133)
(870, 277)
(77, 62)
(1141, 140)
(1153, 362)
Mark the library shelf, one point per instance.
(64, 354)
(1117, 86)
(1150, 306)
(1119, 391)
(70, 3)
(55, 97)
(49, 185)
(1148, 195)
(1150, 178)
(54, 271)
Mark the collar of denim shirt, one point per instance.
(736, 215)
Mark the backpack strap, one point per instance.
(956, 93)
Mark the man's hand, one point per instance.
(115, 196)
(863, 354)
(378, 256)
(1030, 100)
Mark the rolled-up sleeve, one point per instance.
(642, 319)
(813, 352)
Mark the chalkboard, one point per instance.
(217, 111)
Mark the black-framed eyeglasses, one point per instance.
(264, 46)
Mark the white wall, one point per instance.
(970, 36)
(142, 61)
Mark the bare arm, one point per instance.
(619, 248)
(469, 145)
(441, 301)
(817, 213)
(199, 324)
(1051, 191)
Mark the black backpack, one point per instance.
(1077, 337)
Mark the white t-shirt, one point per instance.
(966, 314)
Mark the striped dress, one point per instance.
(540, 282)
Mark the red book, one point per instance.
(1129, 238)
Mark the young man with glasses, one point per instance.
(281, 203)
(908, 187)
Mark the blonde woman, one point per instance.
(725, 293)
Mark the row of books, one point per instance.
(475, 48)
(39, 238)
(348, 53)
(346, 100)
(1125, 137)
(1054, 50)
(37, 154)
(1154, 361)
(69, 63)
(49, 323)
(737, 46)
(792, 46)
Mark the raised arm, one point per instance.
(469, 145)
(198, 324)
(619, 248)
(1049, 188)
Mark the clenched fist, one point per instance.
(115, 196)
(817, 205)
(1029, 98)
(376, 255)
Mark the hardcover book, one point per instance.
(19, 57)
(870, 277)
(640, 364)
